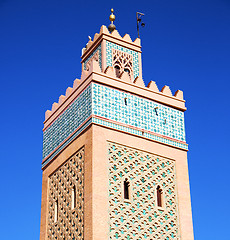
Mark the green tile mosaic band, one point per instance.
(67, 142)
(67, 122)
(116, 108)
(139, 133)
(135, 111)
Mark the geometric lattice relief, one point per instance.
(122, 62)
(135, 57)
(65, 217)
(140, 217)
(96, 55)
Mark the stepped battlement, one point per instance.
(164, 95)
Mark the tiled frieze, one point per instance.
(131, 110)
(73, 117)
(96, 55)
(139, 217)
(118, 110)
(120, 127)
(65, 218)
(109, 56)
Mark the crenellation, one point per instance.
(68, 91)
(139, 81)
(116, 34)
(92, 63)
(125, 77)
(47, 114)
(166, 90)
(110, 71)
(96, 35)
(137, 41)
(61, 99)
(104, 31)
(76, 83)
(127, 38)
(95, 68)
(179, 94)
(89, 44)
(152, 86)
(55, 106)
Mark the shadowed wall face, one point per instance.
(66, 200)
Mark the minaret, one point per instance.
(114, 152)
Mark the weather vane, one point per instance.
(112, 27)
(139, 21)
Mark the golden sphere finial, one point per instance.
(112, 16)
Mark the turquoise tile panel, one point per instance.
(82, 128)
(139, 133)
(67, 122)
(141, 113)
(117, 108)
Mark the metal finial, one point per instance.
(139, 20)
(112, 27)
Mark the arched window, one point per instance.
(126, 189)
(159, 197)
(124, 61)
(127, 70)
(117, 71)
(73, 197)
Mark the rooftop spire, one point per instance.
(112, 27)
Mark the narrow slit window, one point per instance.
(126, 101)
(56, 211)
(74, 197)
(126, 190)
(159, 197)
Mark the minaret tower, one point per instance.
(114, 152)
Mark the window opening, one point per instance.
(126, 101)
(159, 197)
(126, 189)
(56, 211)
(74, 197)
(156, 110)
(117, 71)
(127, 70)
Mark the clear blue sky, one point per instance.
(186, 45)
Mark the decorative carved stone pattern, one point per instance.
(123, 60)
(140, 217)
(69, 224)
(94, 57)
